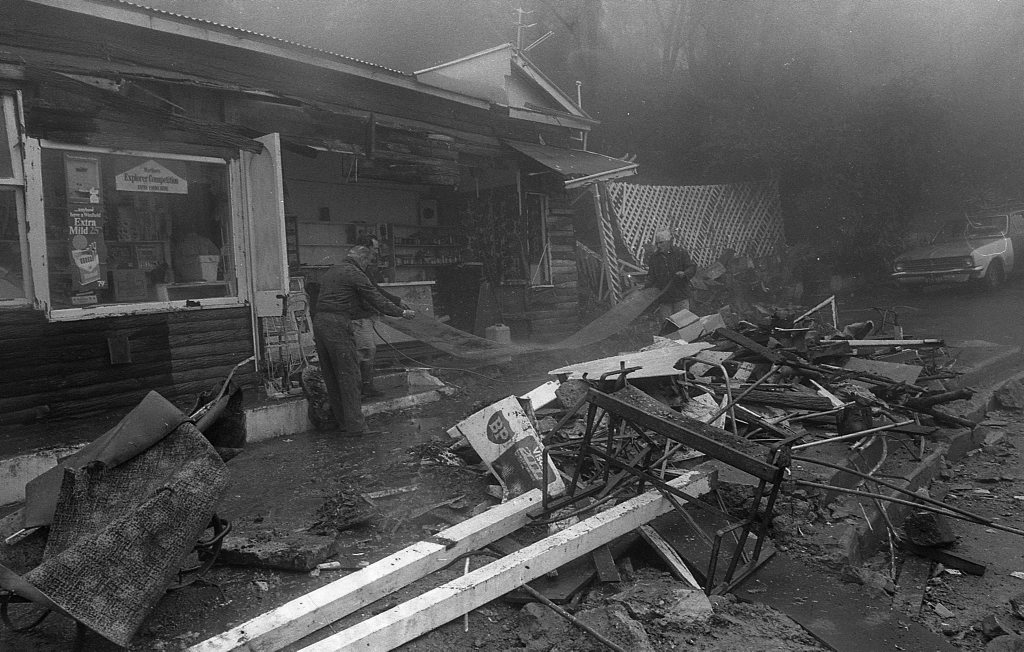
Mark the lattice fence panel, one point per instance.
(704, 219)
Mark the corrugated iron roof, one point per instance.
(578, 167)
(250, 33)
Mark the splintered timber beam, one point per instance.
(401, 624)
(306, 614)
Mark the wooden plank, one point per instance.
(668, 554)
(948, 558)
(899, 373)
(388, 630)
(867, 344)
(571, 578)
(913, 580)
(604, 562)
(308, 613)
(655, 363)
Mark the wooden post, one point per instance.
(308, 613)
(609, 260)
(390, 629)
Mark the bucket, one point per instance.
(208, 267)
(498, 333)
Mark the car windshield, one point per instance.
(973, 227)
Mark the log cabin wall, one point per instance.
(77, 368)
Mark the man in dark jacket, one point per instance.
(346, 295)
(365, 333)
(669, 268)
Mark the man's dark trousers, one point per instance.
(336, 347)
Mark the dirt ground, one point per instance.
(306, 483)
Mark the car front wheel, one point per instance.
(995, 275)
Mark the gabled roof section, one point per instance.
(504, 76)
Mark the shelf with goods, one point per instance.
(424, 246)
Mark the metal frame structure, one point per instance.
(654, 427)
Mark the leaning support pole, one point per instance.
(308, 613)
(401, 624)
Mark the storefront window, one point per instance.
(12, 281)
(132, 229)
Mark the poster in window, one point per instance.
(82, 175)
(86, 247)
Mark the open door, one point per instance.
(264, 198)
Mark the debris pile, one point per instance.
(712, 450)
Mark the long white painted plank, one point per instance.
(654, 363)
(401, 624)
(306, 614)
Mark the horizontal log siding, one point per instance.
(553, 312)
(65, 366)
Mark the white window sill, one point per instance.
(127, 309)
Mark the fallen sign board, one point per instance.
(507, 442)
(306, 614)
(408, 620)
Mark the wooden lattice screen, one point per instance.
(704, 219)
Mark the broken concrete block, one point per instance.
(871, 578)
(689, 605)
(1011, 395)
(614, 622)
(570, 392)
(992, 627)
(929, 529)
(296, 551)
(992, 435)
(540, 626)
(1017, 605)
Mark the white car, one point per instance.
(977, 249)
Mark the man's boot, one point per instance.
(366, 374)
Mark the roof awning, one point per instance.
(578, 167)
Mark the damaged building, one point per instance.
(172, 187)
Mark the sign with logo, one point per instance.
(507, 442)
(151, 177)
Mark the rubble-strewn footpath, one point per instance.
(771, 484)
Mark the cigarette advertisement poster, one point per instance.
(510, 447)
(85, 223)
(88, 251)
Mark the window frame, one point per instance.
(11, 114)
(37, 245)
